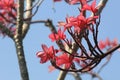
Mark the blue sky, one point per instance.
(38, 34)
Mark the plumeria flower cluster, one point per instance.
(81, 22)
(7, 15)
(50, 54)
(73, 53)
(60, 35)
(107, 43)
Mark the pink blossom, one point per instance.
(107, 43)
(64, 59)
(53, 37)
(57, 36)
(46, 54)
(102, 44)
(91, 7)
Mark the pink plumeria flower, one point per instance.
(47, 53)
(91, 7)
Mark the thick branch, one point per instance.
(21, 60)
(37, 5)
(20, 11)
(18, 41)
(27, 14)
(101, 6)
(62, 75)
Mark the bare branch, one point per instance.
(37, 7)
(38, 21)
(18, 41)
(76, 75)
(111, 51)
(25, 26)
(39, 3)
(95, 75)
(19, 23)
(32, 6)
(101, 6)
(62, 75)
(108, 60)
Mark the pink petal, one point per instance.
(51, 68)
(86, 7)
(93, 4)
(61, 23)
(40, 53)
(102, 45)
(45, 48)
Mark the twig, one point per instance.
(111, 51)
(95, 75)
(108, 59)
(30, 8)
(38, 21)
(76, 75)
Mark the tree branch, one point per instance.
(76, 75)
(37, 7)
(28, 13)
(49, 24)
(111, 51)
(19, 23)
(62, 75)
(38, 21)
(101, 6)
(95, 75)
(108, 60)
(19, 41)
(21, 60)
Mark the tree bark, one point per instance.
(21, 60)
(28, 16)
(19, 41)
